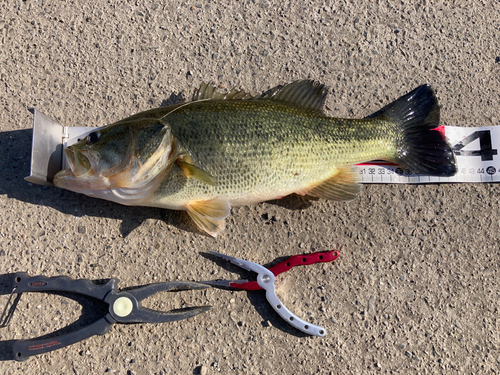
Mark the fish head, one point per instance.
(124, 155)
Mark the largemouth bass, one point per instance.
(223, 150)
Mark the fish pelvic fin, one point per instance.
(419, 147)
(209, 215)
(343, 186)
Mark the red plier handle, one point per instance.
(296, 260)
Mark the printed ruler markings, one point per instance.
(476, 151)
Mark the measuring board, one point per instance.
(476, 151)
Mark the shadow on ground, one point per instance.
(15, 166)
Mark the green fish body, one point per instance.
(223, 150)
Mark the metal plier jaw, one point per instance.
(124, 306)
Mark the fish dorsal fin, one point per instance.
(209, 91)
(304, 93)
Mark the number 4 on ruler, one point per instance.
(486, 151)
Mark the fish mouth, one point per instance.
(79, 163)
(82, 176)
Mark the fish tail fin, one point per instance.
(419, 147)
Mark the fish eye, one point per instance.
(94, 137)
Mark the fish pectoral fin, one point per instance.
(209, 215)
(191, 170)
(343, 186)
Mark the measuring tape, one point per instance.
(476, 151)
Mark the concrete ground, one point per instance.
(415, 289)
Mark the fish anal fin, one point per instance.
(209, 215)
(193, 171)
(343, 186)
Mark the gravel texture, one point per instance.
(415, 289)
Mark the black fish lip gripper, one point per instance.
(124, 306)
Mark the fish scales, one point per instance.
(260, 150)
(223, 150)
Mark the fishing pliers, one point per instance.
(266, 278)
(123, 306)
